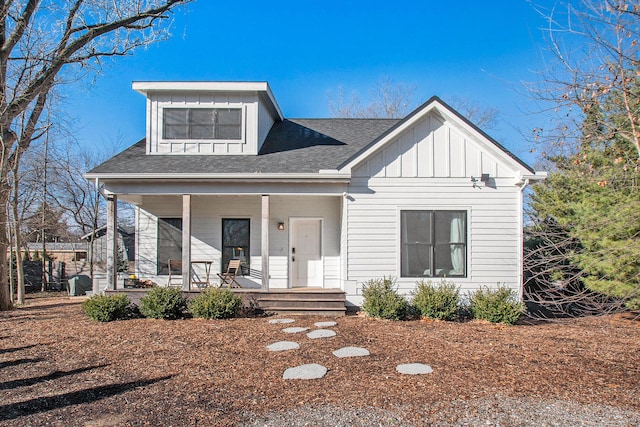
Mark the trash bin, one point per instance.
(79, 285)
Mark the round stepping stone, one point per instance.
(279, 321)
(283, 346)
(294, 330)
(325, 324)
(351, 352)
(310, 371)
(414, 369)
(321, 333)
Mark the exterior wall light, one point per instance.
(281, 226)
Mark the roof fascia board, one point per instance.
(450, 113)
(205, 86)
(284, 177)
(394, 131)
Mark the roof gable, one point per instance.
(434, 141)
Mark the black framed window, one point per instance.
(169, 242)
(433, 243)
(202, 123)
(236, 234)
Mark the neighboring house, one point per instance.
(65, 259)
(126, 243)
(324, 203)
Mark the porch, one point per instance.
(283, 240)
(297, 301)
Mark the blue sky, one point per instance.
(479, 51)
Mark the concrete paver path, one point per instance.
(294, 330)
(351, 352)
(283, 346)
(414, 369)
(321, 333)
(310, 371)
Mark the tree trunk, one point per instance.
(5, 295)
(12, 279)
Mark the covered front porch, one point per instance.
(285, 241)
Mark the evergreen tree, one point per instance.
(594, 196)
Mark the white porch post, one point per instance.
(112, 243)
(186, 242)
(265, 242)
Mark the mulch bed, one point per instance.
(59, 368)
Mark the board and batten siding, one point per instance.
(256, 122)
(429, 167)
(207, 213)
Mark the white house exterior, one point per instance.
(326, 203)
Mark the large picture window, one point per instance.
(434, 243)
(202, 123)
(169, 242)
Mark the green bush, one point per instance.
(163, 303)
(382, 300)
(104, 308)
(496, 305)
(437, 301)
(215, 303)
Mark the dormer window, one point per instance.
(202, 123)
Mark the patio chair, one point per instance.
(175, 272)
(229, 277)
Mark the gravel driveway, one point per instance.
(498, 411)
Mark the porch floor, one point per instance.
(307, 301)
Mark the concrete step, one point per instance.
(300, 303)
(316, 311)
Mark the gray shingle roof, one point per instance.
(292, 146)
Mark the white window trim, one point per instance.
(169, 105)
(398, 248)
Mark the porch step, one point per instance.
(324, 302)
(307, 312)
(275, 303)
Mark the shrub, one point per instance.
(163, 303)
(437, 301)
(495, 305)
(382, 300)
(103, 308)
(215, 303)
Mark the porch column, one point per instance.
(186, 242)
(112, 243)
(265, 242)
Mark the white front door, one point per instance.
(305, 252)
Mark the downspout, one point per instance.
(523, 186)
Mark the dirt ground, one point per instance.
(59, 368)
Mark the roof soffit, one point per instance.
(261, 88)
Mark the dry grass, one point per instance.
(59, 368)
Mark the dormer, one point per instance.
(208, 117)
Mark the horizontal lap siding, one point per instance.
(207, 213)
(431, 166)
(373, 241)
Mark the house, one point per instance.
(125, 244)
(323, 203)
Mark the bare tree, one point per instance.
(44, 43)
(389, 100)
(485, 117)
(386, 100)
(594, 48)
